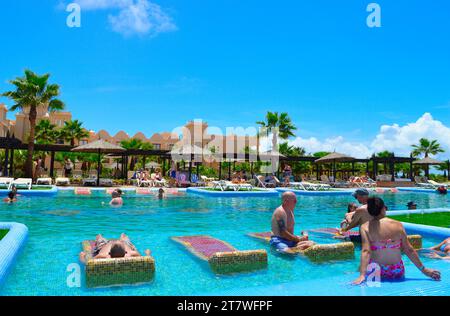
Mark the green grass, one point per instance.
(440, 219)
(33, 188)
(3, 233)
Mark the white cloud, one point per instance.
(394, 138)
(337, 143)
(141, 17)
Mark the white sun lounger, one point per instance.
(225, 185)
(62, 181)
(4, 181)
(21, 183)
(437, 184)
(44, 181)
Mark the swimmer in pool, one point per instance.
(161, 193)
(351, 208)
(116, 199)
(11, 197)
(105, 249)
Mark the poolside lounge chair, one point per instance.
(5, 182)
(44, 181)
(182, 179)
(62, 181)
(158, 183)
(263, 184)
(424, 183)
(224, 185)
(207, 180)
(116, 271)
(335, 184)
(221, 256)
(196, 181)
(21, 183)
(91, 181)
(106, 182)
(437, 184)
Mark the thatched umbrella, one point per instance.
(99, 147)
(334, 158)
(427, 162)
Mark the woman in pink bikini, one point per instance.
(383, 241)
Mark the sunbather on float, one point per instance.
(105, 249)
(283, 222)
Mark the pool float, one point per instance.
(221, 256)
(394, 190)
(143, 191)
(82, 191)
(116, 271)
(414, 240)
(318, 252)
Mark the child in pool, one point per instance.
(351, 208)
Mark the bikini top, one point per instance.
(386, 244)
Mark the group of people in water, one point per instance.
(383, 239)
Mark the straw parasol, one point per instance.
(334, 158)
(99, 147)
(427, 162)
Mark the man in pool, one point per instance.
(361, 215)
(105, 249)
(283, 222)
(116, 199)
(11, 197)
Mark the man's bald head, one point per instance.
(289, 200)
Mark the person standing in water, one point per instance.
(383, 241)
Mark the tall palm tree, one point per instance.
(426, 147)
(73, 130)
(385, 154)
(33, 91)
(46, 132)
(135, 143)
(280, 125)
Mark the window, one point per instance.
(83, 142)
(157, 146)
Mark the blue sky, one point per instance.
(230, 61)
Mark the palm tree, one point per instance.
(72, 131)
(280, 125)
(384, 154)
(32, 92)
(427, 147)
(46, 132)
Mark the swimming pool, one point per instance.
(58, 225)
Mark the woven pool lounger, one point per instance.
(221, 256)
(119, 271)
(415, 240)
(318, 253)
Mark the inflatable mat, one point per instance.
(318, 252)
(117, 271)
(221, 256)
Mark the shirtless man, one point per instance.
(283, 222)
(122, 248)
(361, 215)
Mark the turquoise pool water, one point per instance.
(58, 225)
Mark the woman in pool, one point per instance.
(11, 197)
(383, 241)
(351, 208)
